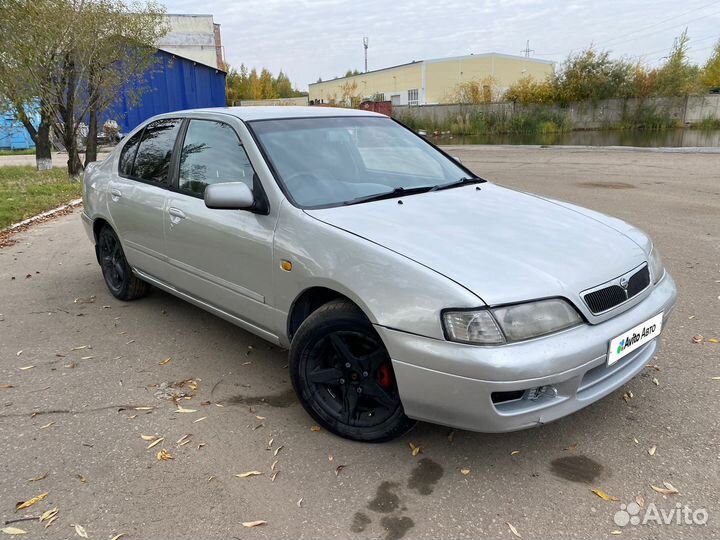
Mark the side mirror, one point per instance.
(229, 196)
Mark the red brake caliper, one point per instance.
(385, 376)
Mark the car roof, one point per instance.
(287, 111)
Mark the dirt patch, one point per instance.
(579, 469)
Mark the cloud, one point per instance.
(323, 38)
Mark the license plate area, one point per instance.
(634, 338)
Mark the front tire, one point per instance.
(343, 375)
(119, 277)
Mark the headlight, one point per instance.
(657, 270)
(510, 323)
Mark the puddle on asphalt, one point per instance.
(283, 399)
(580, 469)
(386, 500)
(396, 527)
(360, 521)
(424, 477)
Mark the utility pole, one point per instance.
(527, 50)
(366, 42)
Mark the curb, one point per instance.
(49, 213)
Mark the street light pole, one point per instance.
(366, 42)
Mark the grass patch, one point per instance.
(708, 124)
(28, 152)
(25, 192)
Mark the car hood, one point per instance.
(504, 246)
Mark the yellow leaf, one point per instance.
(652, 450)
(26, 368)
(669, 489)
(182, 441)
(713, 340)
(655, 381)
(315, 428)
(144, 408)
(80, 530)
(465, 472)
(13, 530)
(274, 476)
(149, 437)
(260, 417)
(277, 450)
(47, 425)
(604, 496)
(199, 420)
(415, 450)
(48, 514)
(30, 502)
(50, 521)
(164, 455)
(163, 362)
(183, 410)
(640, 500)
(514, 452)
(38, 478)
(513, 529)
(715, 378)
(155, 442)
(248, 474)
(616, 532)
(274, 464)
(254, 523)
(118, 536)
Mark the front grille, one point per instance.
(614, 295)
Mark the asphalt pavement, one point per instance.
(86, 387)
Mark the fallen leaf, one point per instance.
(144, 408)
(570, 447)
(183, 440)
(248, 474)
(465, 472)
(640, 500)
(149, 437)
(183, 410)
(652, 450)
(274, 464)
(514, 452)
(627, 396)
(18, 353)
(163, 362)
(13, 530)
(164, 455)
(715, 378)
(47, 425)
(80, 530)
(87, 358)
(669, 489)
(655, 381)
(199, 420)
(713, 340)
(25, 368)
(155, 442)
(513, 529)
(7, 386)
(277, 450)
(691, 317)
(38, 478)
(30, 502)
(118, 536)
(315, 428)
(254, 523)
(338, 469)
(415, 450)
(211, 478)
(50, 521)
(330, 458)
(698, 338)
(616, 532)
(635, 440)
(48, 514)
(299, 503)
(260, 417)
(604, 496)
(270, 443)
(258, 426)
(451, 437)
(81, 478)
(274, 476)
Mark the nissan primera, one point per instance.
(405, 287)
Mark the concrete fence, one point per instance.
(584, 115)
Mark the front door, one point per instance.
(222, 257)
(138, 196)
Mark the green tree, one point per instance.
(352, 72)
(677, 76)
(710, 77)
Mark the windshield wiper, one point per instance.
(397, 192)
(457, 183)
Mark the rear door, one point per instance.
(139, 192)
(223, 257)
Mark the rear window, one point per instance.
(127, 156)
(152, 162)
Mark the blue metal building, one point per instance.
(174, 83)
(13, 135)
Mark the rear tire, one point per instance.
(343, 375)
(119, 277)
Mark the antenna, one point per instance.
(366, 43)
(527, 50)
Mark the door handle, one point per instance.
(115, 194)
(175, 215)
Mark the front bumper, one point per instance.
(452, 384)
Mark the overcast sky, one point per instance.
(323, 38)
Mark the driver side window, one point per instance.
(212, 153)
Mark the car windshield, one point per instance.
(324, 162)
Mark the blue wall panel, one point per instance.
(174, 83)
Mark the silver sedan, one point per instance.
(404, 286)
